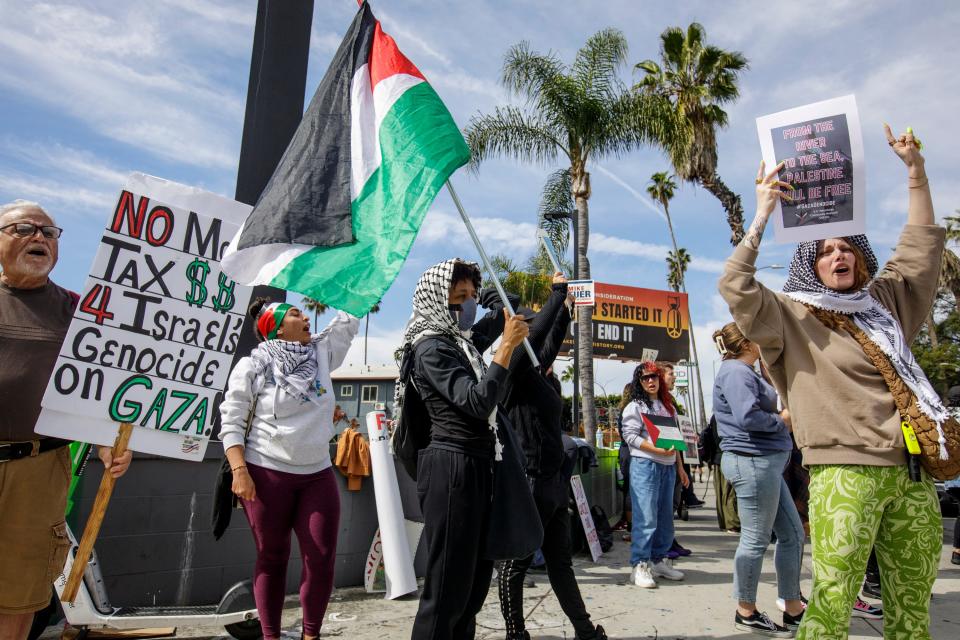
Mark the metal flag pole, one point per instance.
(489, 267)
(551, 252)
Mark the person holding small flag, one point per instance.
(653, 472)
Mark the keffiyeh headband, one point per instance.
(871, 317)
(270, 319)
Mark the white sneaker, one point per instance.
(664, 569)
(642, 577)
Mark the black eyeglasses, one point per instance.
(28, 229)
(650, 376)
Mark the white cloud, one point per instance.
(129, 76)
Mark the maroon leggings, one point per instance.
(308, 505)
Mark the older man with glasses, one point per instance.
(34, 470)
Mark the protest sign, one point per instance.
(582, 292)
(683, 377)
(629, 322)
(586, 518)
(821, 147)
(154, 335)
(690, 455)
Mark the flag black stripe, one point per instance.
(307, 200)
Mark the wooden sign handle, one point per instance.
(95, 519)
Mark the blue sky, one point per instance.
(95, 89)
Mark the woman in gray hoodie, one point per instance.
(281, 469)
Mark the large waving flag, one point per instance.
(338, 217)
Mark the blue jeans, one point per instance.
(765, 506)
(651, 496)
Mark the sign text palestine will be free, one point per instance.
(157, 325)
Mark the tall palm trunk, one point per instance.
(702, 419)
(581, 194)
(731, 204)
(932, 331)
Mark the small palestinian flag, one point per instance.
(664, 432)
(338, 217)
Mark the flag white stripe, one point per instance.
(367, 111)
(259, 264)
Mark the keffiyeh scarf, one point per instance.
(294, 366)
(872, 318)
(431, 317)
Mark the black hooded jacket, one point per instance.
(533, 404)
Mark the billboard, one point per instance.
(628, 320)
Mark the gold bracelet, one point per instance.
(242, 466)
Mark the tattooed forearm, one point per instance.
(755, 233)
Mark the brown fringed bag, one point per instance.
(906, 401)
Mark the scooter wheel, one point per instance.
(239, 597)
(245, 629)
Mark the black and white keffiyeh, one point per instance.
(431, 317)
(294, 366)
(871, 317)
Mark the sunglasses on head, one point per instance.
(28, 230)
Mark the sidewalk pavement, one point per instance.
(700, 607)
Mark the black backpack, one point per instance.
(411, 428)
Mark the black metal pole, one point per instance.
(576, 333)
(275, 95)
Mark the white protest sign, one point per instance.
(649, 355)
(154, 335)
(586, 519)
(690, 455)
(583, 292)
(822, 148)
(683, 377)
(400, 576)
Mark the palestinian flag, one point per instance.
(338, 217)
(664, 432)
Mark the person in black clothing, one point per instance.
(454, 473)
(535, 408)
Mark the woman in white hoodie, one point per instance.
(282, 470)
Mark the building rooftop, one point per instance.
(367, 372)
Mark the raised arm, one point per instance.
(542, 328)
(908, 282)
(755, 308)
(338, 335)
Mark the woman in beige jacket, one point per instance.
(845, 419)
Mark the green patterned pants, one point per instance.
(852, 509)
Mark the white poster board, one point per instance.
(154, 335)
(691, 455)
(397, 556)
(583, 292)
(822, 147)
(586, 519)
(683, 377)
(649, 355)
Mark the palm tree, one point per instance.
(676, 268)
(949, 274)
(317, 307)
(579, 112)
(662, 189)
(694, 79)
(366, 329)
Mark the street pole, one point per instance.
(275, 92)
(576, 332)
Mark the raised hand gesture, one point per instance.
(907, 147)
(769, 189)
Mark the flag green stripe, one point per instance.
(420, 147)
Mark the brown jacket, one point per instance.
(842, 410)
(353, 457)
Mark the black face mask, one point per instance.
(464, 314)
